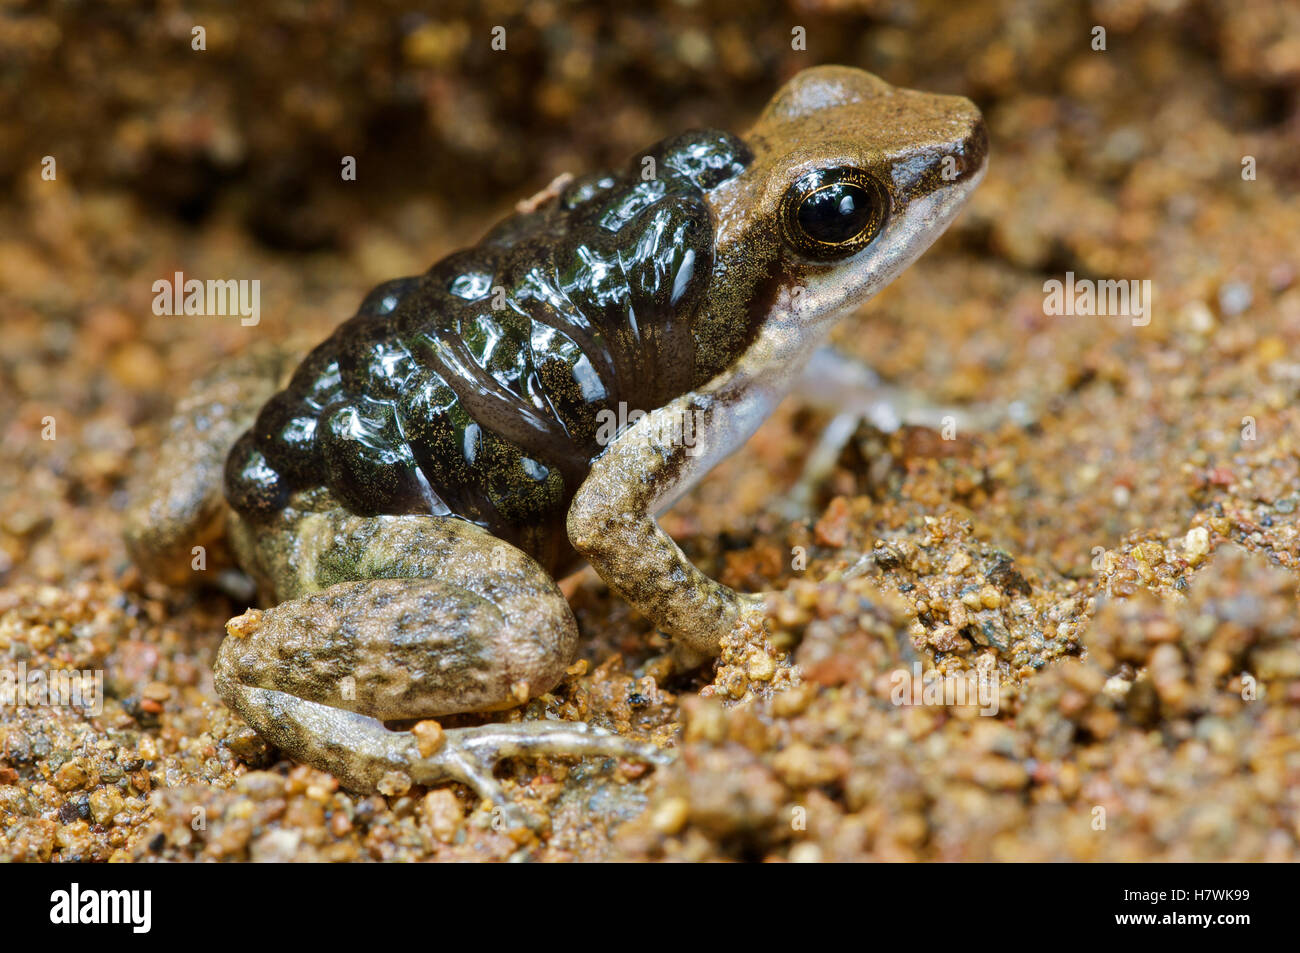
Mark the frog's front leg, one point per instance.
(612, 522)
(853, 392)
(397, 618)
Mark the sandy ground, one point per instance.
(1117, 554)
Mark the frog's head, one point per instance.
(851, 179)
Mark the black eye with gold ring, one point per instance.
(832, 213)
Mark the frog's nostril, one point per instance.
(973, 148)
(977, 142)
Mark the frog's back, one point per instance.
(484, 388)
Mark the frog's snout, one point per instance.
(973, 151)
(950, 132)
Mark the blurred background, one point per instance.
(256, 121)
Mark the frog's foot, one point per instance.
(366, 756)
(749, 621)
(468, 755)
(320, 674)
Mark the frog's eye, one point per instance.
(832, 213)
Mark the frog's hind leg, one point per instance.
(398, 618)
(178, 505)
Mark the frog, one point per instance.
(405, 497)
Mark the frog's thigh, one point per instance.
(319, 674)
(438, 618)
(404, 617)
(611, 522)
(180, 505)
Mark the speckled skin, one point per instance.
(412, 578)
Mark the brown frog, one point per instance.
(406, 495)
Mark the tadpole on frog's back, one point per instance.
(406, 496)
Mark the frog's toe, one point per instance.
(367, 756)
(318, 677)
(491, 743)
(469, 755)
